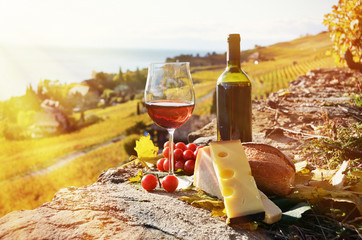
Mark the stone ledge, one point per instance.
(105, 210)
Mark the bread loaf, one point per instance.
(272, 170)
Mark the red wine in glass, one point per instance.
(169, 114)
(169, 97)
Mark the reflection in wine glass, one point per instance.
(169, 97)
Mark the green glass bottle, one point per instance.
(233, 97)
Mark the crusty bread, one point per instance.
(272, 170)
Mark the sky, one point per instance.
(198, 25)
(166, 24)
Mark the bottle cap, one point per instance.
(234, 37)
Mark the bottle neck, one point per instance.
(233, 54)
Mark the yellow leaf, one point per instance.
(150, 160)
(202, 200)
(357, 188)
(284, 93)
(218, 212)
(301, 167)
(315, 193)
(339, 177)
(357, 174)
(321, 174)
(136, 178)
(145, 147)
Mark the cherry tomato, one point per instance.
(189, 167)
(170, 183)
(149, 182)
(197, 151)
(166, 165)
(192, 147)
(167, 144)
(178, 154)
(181, 146)
(179, 165)
(188, 154)
(166, 152)
(160, 163)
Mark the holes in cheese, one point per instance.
(227, 173)
(227, 192)
(222, 154)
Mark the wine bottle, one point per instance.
(233, 97)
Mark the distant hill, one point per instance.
(298, 49)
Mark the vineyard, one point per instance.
(270, 81)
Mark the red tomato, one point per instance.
(166, 152)
(149, 182)
(166, 165)
(170, 183)
(179, 165)
(167, 144)
(181, 146)
(160, 163)
(192, 147)
(177, 154)
(189, 167)
(188, 154)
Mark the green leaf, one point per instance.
(285, 204)
(295, 213)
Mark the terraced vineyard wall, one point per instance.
(266, 82)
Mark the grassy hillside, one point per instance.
(20, 188)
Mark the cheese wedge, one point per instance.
(204, 174)
(241, 197)
(272, 212)
(205, 179)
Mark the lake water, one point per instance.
(21, 65)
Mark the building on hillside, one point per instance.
(255, 57)
(50, 120)
(54, 108)
(83, 97)
(80, 88)
(45, 124)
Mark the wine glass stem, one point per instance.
(170, 156)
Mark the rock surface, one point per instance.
(111, 210)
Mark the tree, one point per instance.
(108, 95)
(345, 29)
(118, 79)
(140, 79)
(54, 90)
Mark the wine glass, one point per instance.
(169, 98)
